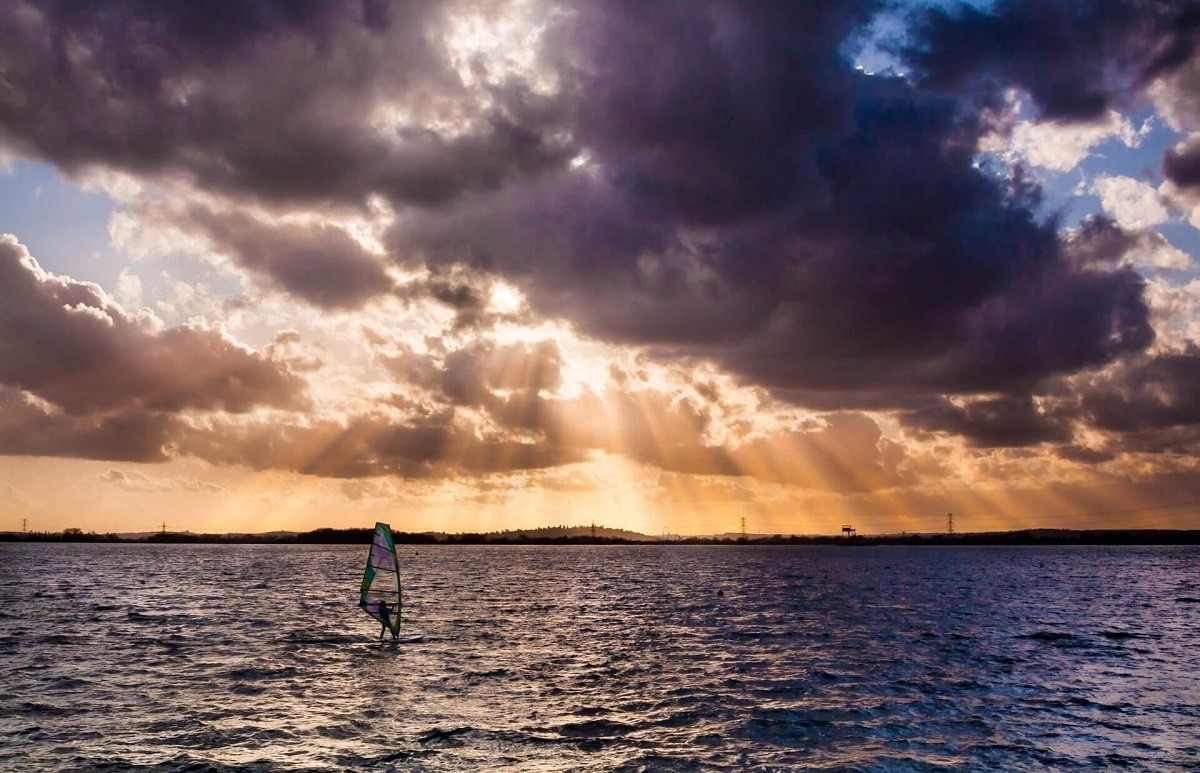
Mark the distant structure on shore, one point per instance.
(594, 534)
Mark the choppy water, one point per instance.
(600, 658)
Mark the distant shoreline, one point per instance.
(585, 536)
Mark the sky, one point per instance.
(470, 266)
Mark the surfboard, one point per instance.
(412, 638)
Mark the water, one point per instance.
(600, 658)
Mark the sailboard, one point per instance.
(380, 596)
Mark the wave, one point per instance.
(319, 638)
(594, 729)
(1053, 637)
(444, 736)
(978, 671)
(255, 673)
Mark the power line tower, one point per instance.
(593, 529)
(949, 523)
(24, 525)
(743, 527)
(164, 528)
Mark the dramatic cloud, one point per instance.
(817, 227)
(1181, 164)
(1004, 421)
(317, 262)
(29, 427)
(1099, 242)
(1177, 96)
(727, 208)
(315, 101)
(1160, 392)
(67, 342)
(1075, 59)
(459, 241)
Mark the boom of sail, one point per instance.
(380, 596)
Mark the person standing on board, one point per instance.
(385, 612)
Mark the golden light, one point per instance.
(504, 299)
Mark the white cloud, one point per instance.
(129, 290)
(1174, 312)
(1132, 203)
(1055, 146)
(1157, 253)
(139, 235)
(177, 301)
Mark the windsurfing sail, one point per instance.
(380, 596)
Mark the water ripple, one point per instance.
(600, 658)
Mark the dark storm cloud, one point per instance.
(1182, 441)
(1181, 164)
(272, 100)
(736, 190)
(1161, 392)
(68, 343)
(319, 263)
(1147, 403)
(1100, 242)
(1075, 59)
(700, 108)
(996, 422)
(1084, 454)
(759, 202)
(463, 292)
(30, 428)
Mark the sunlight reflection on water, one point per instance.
(600, 658)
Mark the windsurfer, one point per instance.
(385, 613)
(379, 594)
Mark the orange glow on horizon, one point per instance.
(539, 450)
